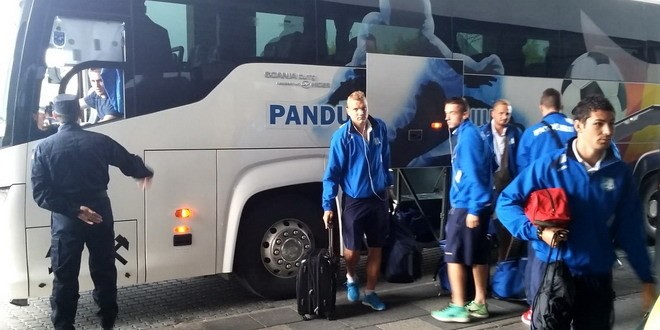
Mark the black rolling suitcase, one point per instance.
(316, 284)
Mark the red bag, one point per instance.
(548, 208)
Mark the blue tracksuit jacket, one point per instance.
(471, 170)
(604, 206)
(538, 141)
(355, 164)
(513, 134)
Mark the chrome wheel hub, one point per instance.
(284, 245)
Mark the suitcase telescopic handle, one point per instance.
(331, 234)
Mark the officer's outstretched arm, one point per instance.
(144, 183)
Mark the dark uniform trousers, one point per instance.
(69, 235)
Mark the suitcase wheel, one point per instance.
(307, 317)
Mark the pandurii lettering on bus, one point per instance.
(306, 114)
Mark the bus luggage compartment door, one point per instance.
(40, 274)
(179, 246)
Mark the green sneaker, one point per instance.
(479, 311)
(452, 313)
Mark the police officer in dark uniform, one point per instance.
(70, 179)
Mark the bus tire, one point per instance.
(650, 199)
(274, 236)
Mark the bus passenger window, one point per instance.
(535, 52)
(286, 37)
(286, 43)
(152, 48)
(160, 81)
(470, 43)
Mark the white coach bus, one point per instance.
(233, 103)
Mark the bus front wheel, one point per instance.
(274, 237)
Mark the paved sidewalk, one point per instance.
(213, 303)
(402, 314)
(409, 307)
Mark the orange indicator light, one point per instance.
(436, 125)
(181, 229)
(182, 213)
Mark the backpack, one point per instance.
(554, 301)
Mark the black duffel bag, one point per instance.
(402, 259)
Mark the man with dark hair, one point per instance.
(551, 133)
(98, 98)
(604, 204)
(546, 136)
(359, 163)
(70, 178)
(468, 218)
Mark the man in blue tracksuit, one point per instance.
(604, 205)
(502, 140)
(541, 138)
(468, 218)
(359, 162)
(548, 135)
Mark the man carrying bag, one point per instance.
(604, 210)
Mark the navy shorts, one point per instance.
(467, 246)
(593, 307)
(364, 216)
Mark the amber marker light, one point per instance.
(182, 213)
(436, 125)
(181, 229)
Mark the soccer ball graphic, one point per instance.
(593, 73)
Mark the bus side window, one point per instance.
(653, 52)
(159, 82)
(535, 52)
(153, 53)
(287, 43)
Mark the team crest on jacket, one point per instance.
(562, 163)
(607, 184)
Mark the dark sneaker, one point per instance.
(353, 291)
(479, 311)
(452, 313)
(372, 300)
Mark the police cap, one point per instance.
(66, 104)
